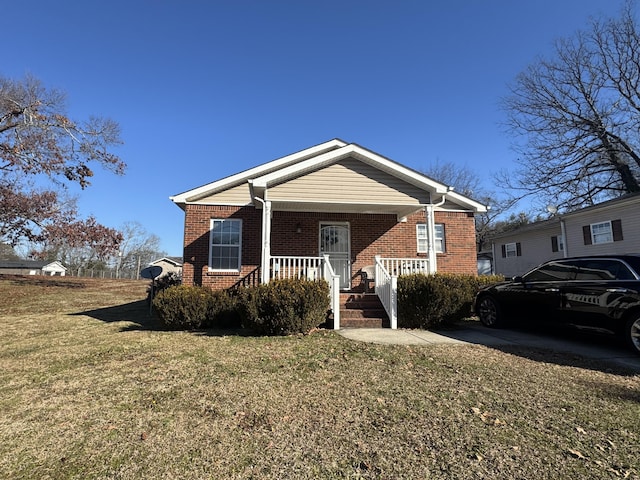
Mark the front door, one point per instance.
(335, 242)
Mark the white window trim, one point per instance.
(507, 250)
(222, 270)
(439, 244)
(593, 234)
(424, 238)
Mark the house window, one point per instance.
(422, 238)
(557, 243)
(439, 238)
(226, 245)
(511, 250)
(602, 232)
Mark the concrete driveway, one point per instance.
(556, 346)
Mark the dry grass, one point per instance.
(91, 387)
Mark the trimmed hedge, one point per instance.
(281, 307)
(429, 301)
(185, 307)
(285, 307)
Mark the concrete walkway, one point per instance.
(603, 348)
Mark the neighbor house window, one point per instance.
(557, 243)
(226, 244)
(511, 250)
(603, 232)
(422, 238)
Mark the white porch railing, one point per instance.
(386, 287)
(405, 266)
(387, 290)
(387, 272)
(311, 268)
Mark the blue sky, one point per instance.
(204, 89)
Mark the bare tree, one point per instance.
(577, 116)
(467, 182)
(39, 140)
(138, 248)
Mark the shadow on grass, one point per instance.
(136, 313)
(555, 345)
(139, 317)
(44, 281)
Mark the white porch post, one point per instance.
(393, 317)
(266, 241)
(431, 233)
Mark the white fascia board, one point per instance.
(239, 178)
(375, 160)
(464, 200)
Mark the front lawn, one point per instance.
(92, 388)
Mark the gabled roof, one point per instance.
(24, 264)
(554, 222)
(177, 261)
(312, 159)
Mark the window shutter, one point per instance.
(504, 251)
(554, 243)
(586, 234)
(616, 226)
(518, 250)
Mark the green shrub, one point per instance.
(429, 301)
(223, 311)
(284, 307)
(189, 308)
(184, 307)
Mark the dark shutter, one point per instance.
(586, 234)
(554, 243)
(518, 250)
(616, 226)
(504, 251)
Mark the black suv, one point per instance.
(601, 292)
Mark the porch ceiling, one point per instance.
(400, 210)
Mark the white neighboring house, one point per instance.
(33, 267)
(169, 265)
(611, 227)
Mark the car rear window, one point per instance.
(603, 269)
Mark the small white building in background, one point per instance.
(32, 267)
(169, 265)
(611, 227)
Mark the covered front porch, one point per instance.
(379, 279)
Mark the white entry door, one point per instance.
(335, 242)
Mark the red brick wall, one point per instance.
(371, 234)
(460, 248)
(195, 269)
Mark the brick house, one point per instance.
(336, 211)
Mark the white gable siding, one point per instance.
(535, 248)
(239, 195)
(351, 181)
(628, 214)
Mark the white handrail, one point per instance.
(334, 291)
(387, 291)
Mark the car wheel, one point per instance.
(632, 333)
(490, 312)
